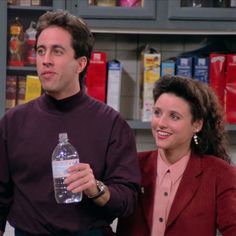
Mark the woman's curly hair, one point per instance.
(205, 106)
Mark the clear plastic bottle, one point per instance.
(64, 156)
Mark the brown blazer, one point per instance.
(205, 200)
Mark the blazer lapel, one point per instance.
(187, 188)
(149, 170)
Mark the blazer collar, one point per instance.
(187, 188)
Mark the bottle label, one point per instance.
(59, 168)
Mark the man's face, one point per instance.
(57, 68)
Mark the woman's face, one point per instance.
(172, 125)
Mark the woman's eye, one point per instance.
(156, 112)
(174, 116)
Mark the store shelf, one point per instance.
(137, 124)
(230, 127)
(31, 8)
(23, 68)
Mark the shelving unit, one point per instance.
(157, 17)
(27, 13)
(137, 124)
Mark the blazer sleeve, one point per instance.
(226, 201)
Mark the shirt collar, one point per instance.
(176, 170)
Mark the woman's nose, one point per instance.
(162, 122)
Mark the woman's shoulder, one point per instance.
(218, 165)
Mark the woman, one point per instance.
(188, 184)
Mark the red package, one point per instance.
(130, 3)
(217, 75)
(96, 76)
(231, 88)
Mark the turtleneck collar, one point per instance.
(53, 105)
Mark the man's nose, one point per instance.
(47, 59)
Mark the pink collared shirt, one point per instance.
(167, 183)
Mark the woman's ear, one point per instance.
(82, 62)
(198, 125)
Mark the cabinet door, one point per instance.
(115, 9)
(216, 10)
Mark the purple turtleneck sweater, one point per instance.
(28, 135)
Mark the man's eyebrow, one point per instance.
(53, 46)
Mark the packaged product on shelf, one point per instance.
(106, 3)
(16, 44)
(10, 91)
(167, 67)
(114, 84)
(201, 69)
(33, 87)
(150, 66)
(12, 2)
(24, 2)
(36, 2)
(184, 66)
(230, 98)
(96, 76)
(130, 3)
(29, 88)
(217, 75)
(20, 93)
(30, 40)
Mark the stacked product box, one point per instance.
(184, 66)
(96, 76)
(21, 89)
(167, 68)
(201, 69)
(230, 105)
(33, 88)
(11, 84)
(151, 73)
(217, 75)
(114, 84)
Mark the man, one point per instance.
(108, 174)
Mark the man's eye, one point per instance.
(57, 52)
(40, 51)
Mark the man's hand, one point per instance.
(81, 179)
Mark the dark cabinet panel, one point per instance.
(145, 10)
(201, 10)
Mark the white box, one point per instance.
(114, 84)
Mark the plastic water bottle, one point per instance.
(64, 156)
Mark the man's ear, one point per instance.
(82, 62)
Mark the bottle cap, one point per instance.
(63, 137)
